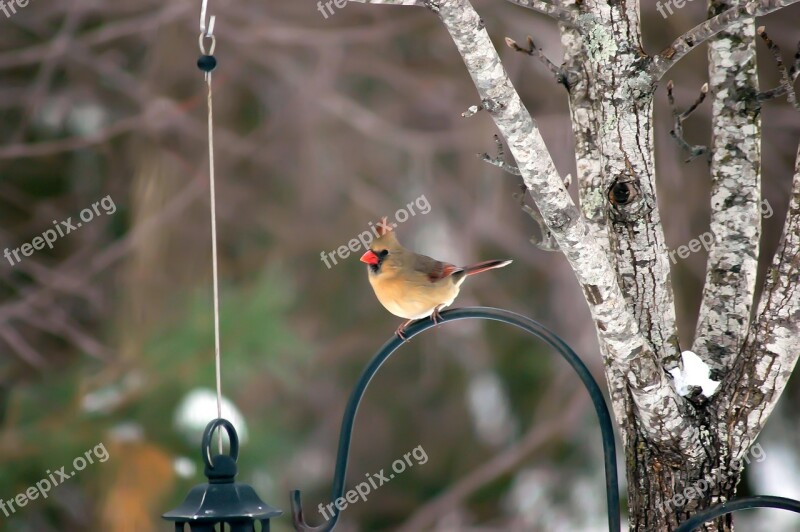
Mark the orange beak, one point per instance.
(369, 257)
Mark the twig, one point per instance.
(487, 104)
(423, 3)
(704, 31)
(82, 271)
(559, 13)
(558, 73)
(788, 75)
(499, 161)
(57, 323)
(545, 240)
(55, 49)
(102, 35)
(22, 347)
(74, 143)
(677, 132)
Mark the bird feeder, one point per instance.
(222, 501)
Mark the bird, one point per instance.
(414, 286)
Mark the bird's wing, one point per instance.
(435, 270)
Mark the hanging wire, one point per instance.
(207, 62)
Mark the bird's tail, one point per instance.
(486, 265)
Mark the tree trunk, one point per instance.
(664, 489)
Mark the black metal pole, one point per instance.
(485, 313)
(735, 505)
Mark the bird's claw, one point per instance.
(400, 331)
(436, 317)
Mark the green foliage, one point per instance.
(259, 350)
(262, 357)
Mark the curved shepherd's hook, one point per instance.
(481, 313)
(734, 505)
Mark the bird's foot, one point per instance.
(400, 331)
(435, 316)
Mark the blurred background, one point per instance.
(324, 123)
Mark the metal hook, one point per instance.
(207, 32)
(212, 21)
(483, 313)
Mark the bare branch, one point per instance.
(559, 74)
(50, 147)
(588, 158)
(58, 323)
(544, 240)
(423, 3)
(499, 159)
(788, 75)
(704, 31)
(760, 373)
(513, 170)
(557, 12)
(735, 227)
(21, 346)
(82, 271)
(501, 464)
(678, 118)
(487, 104)
(104, 33)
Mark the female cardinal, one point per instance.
(414, 286)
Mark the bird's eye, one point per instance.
(383, 253)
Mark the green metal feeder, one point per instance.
(222, 501)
